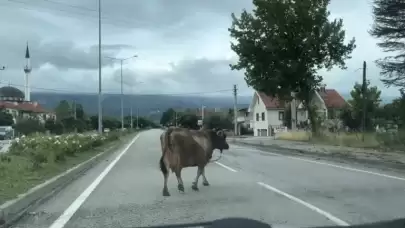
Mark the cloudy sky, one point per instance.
(182, 45)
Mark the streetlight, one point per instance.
(100, 115)
(122, 93)
(137, 111)
(3, 68)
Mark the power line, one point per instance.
(118, 91)
(106, 20)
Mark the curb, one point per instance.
(12, 210)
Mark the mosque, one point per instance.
(19, 103)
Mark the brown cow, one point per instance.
(183, 148)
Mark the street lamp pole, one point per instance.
(122, 88)
(2, 68)
(100, 116)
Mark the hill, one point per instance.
(149, 105)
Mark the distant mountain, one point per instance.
(150, 105)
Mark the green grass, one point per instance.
(17, 174)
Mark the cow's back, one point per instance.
(188, 150)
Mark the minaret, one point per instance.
(27, 70)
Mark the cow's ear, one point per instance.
(220, 133)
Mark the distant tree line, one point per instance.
(70, 117)
(189, 120)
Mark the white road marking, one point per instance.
(351, 169)
(310, 206)
(71, 210)
(336, 166)
(226, 167)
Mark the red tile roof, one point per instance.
(331, 98)
(25, 106)
(270, 102)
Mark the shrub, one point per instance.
(41, 149)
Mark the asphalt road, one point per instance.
(282, 190)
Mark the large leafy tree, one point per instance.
(282, 44)
(167, 116)
(189, 121)
(373, 101)
(389, 26)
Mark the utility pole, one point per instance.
(364, 92)
(122, 101)
(175, 118)
(74, 114)
(100, 116)
(235, 111)
(122, 87)
(202, 116)
(132, 124)
(137, 118)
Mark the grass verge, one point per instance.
(371, 140)
(18, 175)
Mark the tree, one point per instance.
(282, 44)
(29, 126)
(372, 100)
(389, 26)
(63, 110)
(80, 112)
(167, 116)
(189, 121)
(6, 119)
(217, 121)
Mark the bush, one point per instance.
(42, 149)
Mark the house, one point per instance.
(243, 119)
(268, 112)
(329, 105)
(12, 101)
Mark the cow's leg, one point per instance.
(165, 171)
(180, 185)
(194, 186)
(205, 181)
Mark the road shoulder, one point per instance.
(12, 210)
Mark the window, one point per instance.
(263, 116)
(257, 116)
(281, 115)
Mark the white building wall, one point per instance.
(259, 108)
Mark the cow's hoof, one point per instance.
(205, 183)
(180, 187)
(166, 192)
(194, 187)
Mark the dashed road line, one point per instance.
(226, 167)
(334, 219)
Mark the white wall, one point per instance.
(273, 115)
(259, 108)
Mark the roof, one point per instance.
(332, 98)
(27, 52)
(11, 92)
(25, 106)
(270, 102)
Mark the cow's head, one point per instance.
(218, 138)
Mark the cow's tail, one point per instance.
(163, 166)
(167, 145)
